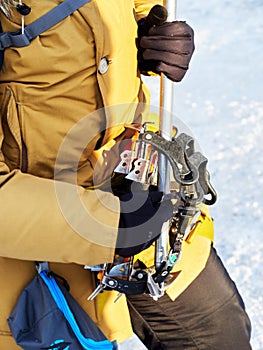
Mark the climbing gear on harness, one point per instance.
(192, 190)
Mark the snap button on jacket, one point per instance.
(103, 65)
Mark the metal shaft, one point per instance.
(166, 122)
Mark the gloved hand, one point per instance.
(166, 48)
(141, 219)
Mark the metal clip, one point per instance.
(95, 268)
(140, 171)
(156, 290)
(120, 270)
(41, 266)
(96, 291)
(125, 164)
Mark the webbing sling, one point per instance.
(43, 23)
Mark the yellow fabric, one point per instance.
(194, 256)
(38, 231)
(111, 316)
(204, 226)
(142, 7)
(46, 89)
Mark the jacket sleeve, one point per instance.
(143, 7)
(48, 220)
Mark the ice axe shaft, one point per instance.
(166, 122)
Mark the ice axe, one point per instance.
(157, 16)
(166, 122)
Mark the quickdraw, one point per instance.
(193, 188)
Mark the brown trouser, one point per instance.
(209, 314)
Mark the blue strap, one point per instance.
(57, 14)
(86, 343)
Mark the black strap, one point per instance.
(126, 287)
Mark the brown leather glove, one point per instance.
(166, 48)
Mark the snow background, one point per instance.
(220, 100)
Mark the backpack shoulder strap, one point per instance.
(43, 23)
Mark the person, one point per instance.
(79, 80)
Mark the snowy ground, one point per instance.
(220, 100)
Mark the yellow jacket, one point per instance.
(46, 89)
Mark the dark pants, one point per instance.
(209, 314)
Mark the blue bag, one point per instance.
(46, 316)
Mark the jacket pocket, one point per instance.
(12, 140)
